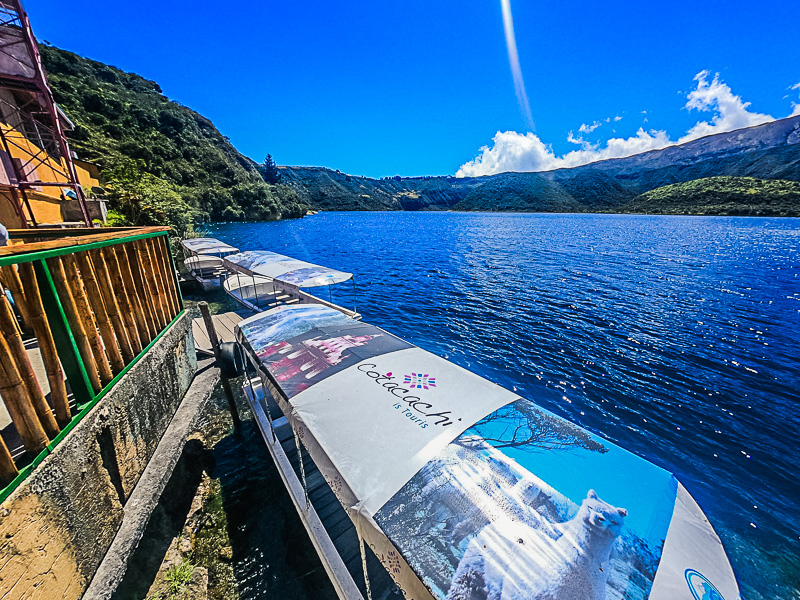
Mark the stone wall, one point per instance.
(56, 527)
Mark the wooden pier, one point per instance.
(223, 323)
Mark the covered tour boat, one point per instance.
(460, 488)
(203, 259)
(261, 280)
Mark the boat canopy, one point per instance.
(208, 246)
(461, 486)
(284, 269)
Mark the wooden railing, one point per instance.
(76, 312)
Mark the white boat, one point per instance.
(207, 247)
(261, 280)
(206, 267)
(460, 488)
(256, 293)
(203, 260)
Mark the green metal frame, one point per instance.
(71, 360)
(14, 259)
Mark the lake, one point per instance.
(674, 337)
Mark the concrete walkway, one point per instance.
(148, 490)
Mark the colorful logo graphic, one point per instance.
(419, 381)
(701, 587)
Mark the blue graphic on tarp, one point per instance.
(701, 587)
(525, 504)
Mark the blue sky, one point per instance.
(416, 88)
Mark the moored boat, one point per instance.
(207, 246)
(203, 260)
(461, 488)
(261, 280)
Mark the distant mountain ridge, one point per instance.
(732, 143)
(768, 151)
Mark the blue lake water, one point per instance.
(675, 337)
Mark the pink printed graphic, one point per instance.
(310, 357)
(420, 381)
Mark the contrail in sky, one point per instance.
(513, 59)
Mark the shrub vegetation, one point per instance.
(721, 196)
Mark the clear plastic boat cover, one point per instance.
(463, 489)
(209, 246)
(284, 269)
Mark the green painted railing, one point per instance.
(96, 304)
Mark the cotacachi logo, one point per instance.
(413, 403)
(420, 381)
(701, 587)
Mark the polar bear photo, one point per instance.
(510, 560)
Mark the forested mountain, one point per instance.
(162, 161)
(769, 151)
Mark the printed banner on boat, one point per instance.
(382, 419)
(301, 347)
(485, 495)
(527, 505)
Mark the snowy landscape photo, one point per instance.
(477, 522)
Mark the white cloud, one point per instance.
(512, 151)
(795, 105)
(580, 141)
(618, 118)
(731, 112)
(589, 128)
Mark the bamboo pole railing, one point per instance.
(82, 270)
(146, 329)
(78, 292)
(19, 357)
(153, 283)
(110, 303)
(12, 281)
(123, 299)
(47, 346)
(19, 406)
(165, 269)
(158, 274)
(93, 302)
(76, 324)
(140, 284)
(8, 469)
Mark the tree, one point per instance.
(523, 426)
(144, 199)
(269, 170)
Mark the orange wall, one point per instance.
(8, 216)
(45, 201)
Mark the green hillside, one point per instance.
(326, 189)
(721, 196)
(519, 192)
(162, 162)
